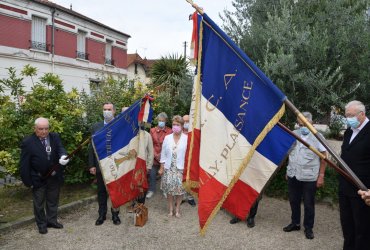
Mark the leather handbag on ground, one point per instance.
(141, 214)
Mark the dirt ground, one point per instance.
(162, 232)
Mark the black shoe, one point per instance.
(234, 220)
(292, 227)
(100, 220)
(116, 220)
(309, 234)
(250, 222)
(43, 230)
(192, 203)
(55, 225)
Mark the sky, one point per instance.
(157, 27)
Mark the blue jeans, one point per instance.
(306, 190)
(153, 178)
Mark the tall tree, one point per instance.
(171, 80)
(316, 51)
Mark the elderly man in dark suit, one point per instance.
(108, 114)
(354, 214)
(40, 152)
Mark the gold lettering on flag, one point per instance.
(228, 78)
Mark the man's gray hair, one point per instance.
(162, 115)
(40, 119)
(307, 115)
(358, 105)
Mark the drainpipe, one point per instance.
(52, 39)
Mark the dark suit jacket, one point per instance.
(93, 162)
(34, 162)
(357, 156)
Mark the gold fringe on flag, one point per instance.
(190, 183)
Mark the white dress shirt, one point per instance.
(355, 131)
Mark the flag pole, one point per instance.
(319, 154)
(56, 166)
(322, 140)
(195, 6)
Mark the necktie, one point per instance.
(43, 141)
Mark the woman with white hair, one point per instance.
(158, 133)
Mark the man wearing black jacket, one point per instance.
(354, 214)
(108, 114)
(40, 152)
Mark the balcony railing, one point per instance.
(109, 61)
(82, 55)
(39, 46)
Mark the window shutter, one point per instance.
(38, 32)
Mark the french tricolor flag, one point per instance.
(234, 146)
(121, 155)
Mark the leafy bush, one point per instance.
(278, 187)
(47, 99)
(70, 114)
(336, 127)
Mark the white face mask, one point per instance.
(108, 115)
(186, 125)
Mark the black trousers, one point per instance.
(103, 196)
(46, 198)
(253, 210)
(355, 221)
(298, 190)
(141, 198)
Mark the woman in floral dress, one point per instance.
(172, 165)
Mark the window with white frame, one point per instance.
(38, 36)
(108, 52)
(81, 45)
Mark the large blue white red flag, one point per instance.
(234, 146)
(121, 153)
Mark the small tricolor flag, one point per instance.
(121, 155)
(194, 38)
(234, 146)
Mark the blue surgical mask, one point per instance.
(186, 125)
(353, 122)
(304, 130)
(161, 124)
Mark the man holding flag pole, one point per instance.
(122, 154)
(94, 169)
(233, 94)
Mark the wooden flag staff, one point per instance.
(321, 155)
(56, 166)
(322, 140)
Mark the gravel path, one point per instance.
(162, 232)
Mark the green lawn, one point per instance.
(16, 201)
